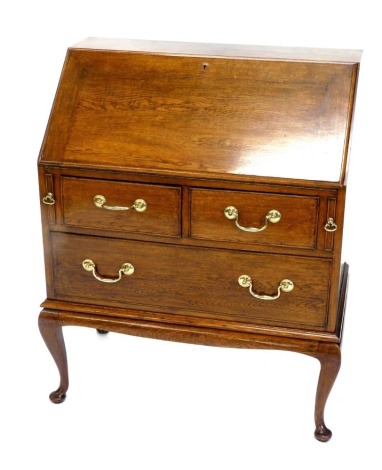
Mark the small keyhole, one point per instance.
(204, 65)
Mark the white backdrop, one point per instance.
(141, 404)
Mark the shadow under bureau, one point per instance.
(196, 193)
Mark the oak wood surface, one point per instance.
(161, 217)
(197, 281)
(183, 319)
(297, 227)
(193, 129)
(175, 115)
(221, 50)
(74, 211)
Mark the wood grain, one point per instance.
(192, 129)
(297, 227)
(202, 282)
(162, 216)
(172, 115)
(220, 50)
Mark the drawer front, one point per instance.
(161, 216)
(200, 282)
(296, 227)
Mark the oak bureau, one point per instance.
(196, 193)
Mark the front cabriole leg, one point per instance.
(51, 331)
(329, 355)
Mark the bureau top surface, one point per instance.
(204, 110)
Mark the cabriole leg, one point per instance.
(329, 356)
(51, 331)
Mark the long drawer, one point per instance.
(194, 281)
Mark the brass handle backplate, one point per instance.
(285, 286)
(89, 265)
(140, 205)
(232, 213)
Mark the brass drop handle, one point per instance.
(330, 225)
(140, 205)
(49, 199)
(285, 285)
(232, 213)
(89, 265)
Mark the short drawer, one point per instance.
(199, 282)
(118, 206)
(251, 215)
